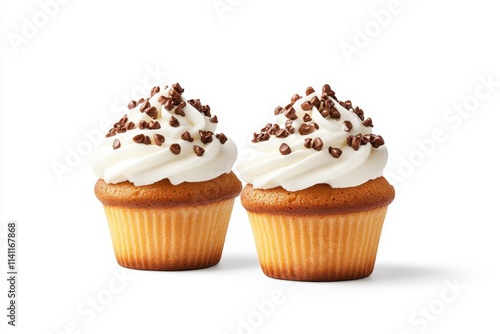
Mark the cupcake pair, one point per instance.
(315, 196)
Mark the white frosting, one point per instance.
(144, 164)
(263, 166)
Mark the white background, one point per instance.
(414, 70)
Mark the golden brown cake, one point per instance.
(165, 181)
(315, 196)
(166, 227)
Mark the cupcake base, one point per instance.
(318, 247)
(169, 238)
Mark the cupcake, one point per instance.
(315, 195)
(166, 184)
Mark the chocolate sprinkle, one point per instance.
(116, 144)
(198, 150)
(154, 125)
(347, 126)
(145, 105)
(205, 136)
(316, 102)
(162, 99)
(155, 90)
(306, 106)
(175, 148)
(354, 141)
(138, 139)
(290, 113)
(285, 149)
(377, 141)
(178, 88)
(159, 139)
(174, 122)
(222, 138)
(368, 122)
(152, 112)
(317, 144)
(295, 97)
(335, 152)
(308, 142)
(187, 136)
(132, 104)
(306, 129)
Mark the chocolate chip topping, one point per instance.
(295, 97)
(307, 118)
(327, 91)
(198, 150)
(154, 125)
(155, 90)
(316, 102)
(290, 113)
(141, 139)
(347, 126)
(152, 112)
(205, 136)
(187, 136)
(285, 149)
(309, 90)
(278, 110)
(214, 119)
(358, 111)
(317, 144)
(178, 88)
(175, 148)
(178, 110)
(222, 138)
(306, 106)
(306, 129)
(335, 152)
(158, 139)
(377, 141)
(143, 125)
(175, 96)
(368, 122)
(132, 104)
(145, 105)
(308, 142)
(130, 126)
(354, 141)
(174, 122)
(169, 104)
(162, 99)
(116, 144)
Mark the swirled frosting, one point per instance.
(315, 139)
(164, 136)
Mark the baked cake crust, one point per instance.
(320, 199)
(164, 194)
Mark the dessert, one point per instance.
(166, 184)
(315, 194)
